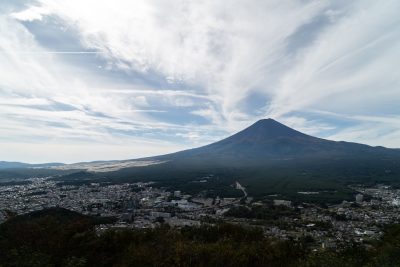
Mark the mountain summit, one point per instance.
(265, 139)
(271, 158)
(267, 158)
(268, 142)
(269, 128)
(263, 131)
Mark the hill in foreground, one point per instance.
(58, 237)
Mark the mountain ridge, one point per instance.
(270, 139)
(266, 137)
(268, 158)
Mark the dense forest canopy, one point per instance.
(59, 237)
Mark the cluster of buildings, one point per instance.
(339, 225)
(136, 205)
(142, 205)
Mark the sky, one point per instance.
(100, 80)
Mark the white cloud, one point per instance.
(228, 51)
(46, 102)
(337, 57)
(311, 127)
(372, 133)
(351, 60)
(31, 14)
(73, 152)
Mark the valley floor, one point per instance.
(142, 205)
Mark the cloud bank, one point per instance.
(184, 73)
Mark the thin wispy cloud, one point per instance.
(51, 52)
(185, 73)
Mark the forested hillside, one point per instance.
(58, 237)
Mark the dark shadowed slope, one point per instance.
(268, 141)
(267, 157)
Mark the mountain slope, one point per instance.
(267, 158)
(268, 141)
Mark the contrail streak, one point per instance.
(51, 52)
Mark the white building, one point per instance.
(281, 202)
(157, 214)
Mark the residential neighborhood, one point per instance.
(143, 205)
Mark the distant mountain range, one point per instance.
(267, 157)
